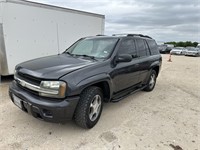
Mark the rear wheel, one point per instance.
(151, 82)
(89, 108)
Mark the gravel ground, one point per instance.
(167, 118)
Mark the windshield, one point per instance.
(178, 48)
(96, 47)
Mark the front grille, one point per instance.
(29, 79)
(28, 90)
(190, 53)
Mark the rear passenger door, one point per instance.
(144, 60)
(126, 74)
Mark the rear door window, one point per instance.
(141, 48)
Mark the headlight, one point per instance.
(54, 89)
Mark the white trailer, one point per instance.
(30, 30)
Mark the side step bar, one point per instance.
(127, 94)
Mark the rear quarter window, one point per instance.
(153, 47)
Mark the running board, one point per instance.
(127, 94)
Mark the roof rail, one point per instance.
(100, 35)
(122, 34)
(140, 35)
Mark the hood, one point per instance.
(53, 67)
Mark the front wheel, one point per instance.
(89, 108)
(151, 82)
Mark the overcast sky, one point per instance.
(164, 20)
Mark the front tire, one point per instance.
(151, 81)
(89, 108)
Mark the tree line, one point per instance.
(183, 44)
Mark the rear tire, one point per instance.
(89, 108)
(151, 81)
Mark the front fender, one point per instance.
(80, 86)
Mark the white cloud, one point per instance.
(164, 20)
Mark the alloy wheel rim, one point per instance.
(95, 107)
(152, 81)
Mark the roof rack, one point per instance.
(140, 35)
(121, 34)
(100, 35)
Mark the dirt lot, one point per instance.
(160, 120)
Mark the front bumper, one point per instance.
(52, 110)
(191, 54)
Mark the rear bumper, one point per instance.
(47, 109)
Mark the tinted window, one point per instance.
(153, 47)
(141, 47)
(127, 46)
(147, 48)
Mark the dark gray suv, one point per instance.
(94, 70)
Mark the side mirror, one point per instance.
(124, 58)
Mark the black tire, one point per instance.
(84, 116)
(151, 81)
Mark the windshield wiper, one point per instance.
(92, 57)
(69, 53)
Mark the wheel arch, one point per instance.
(157, 69)
(154, 67)
(105, 89)
(102, 81)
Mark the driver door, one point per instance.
(126, 74)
